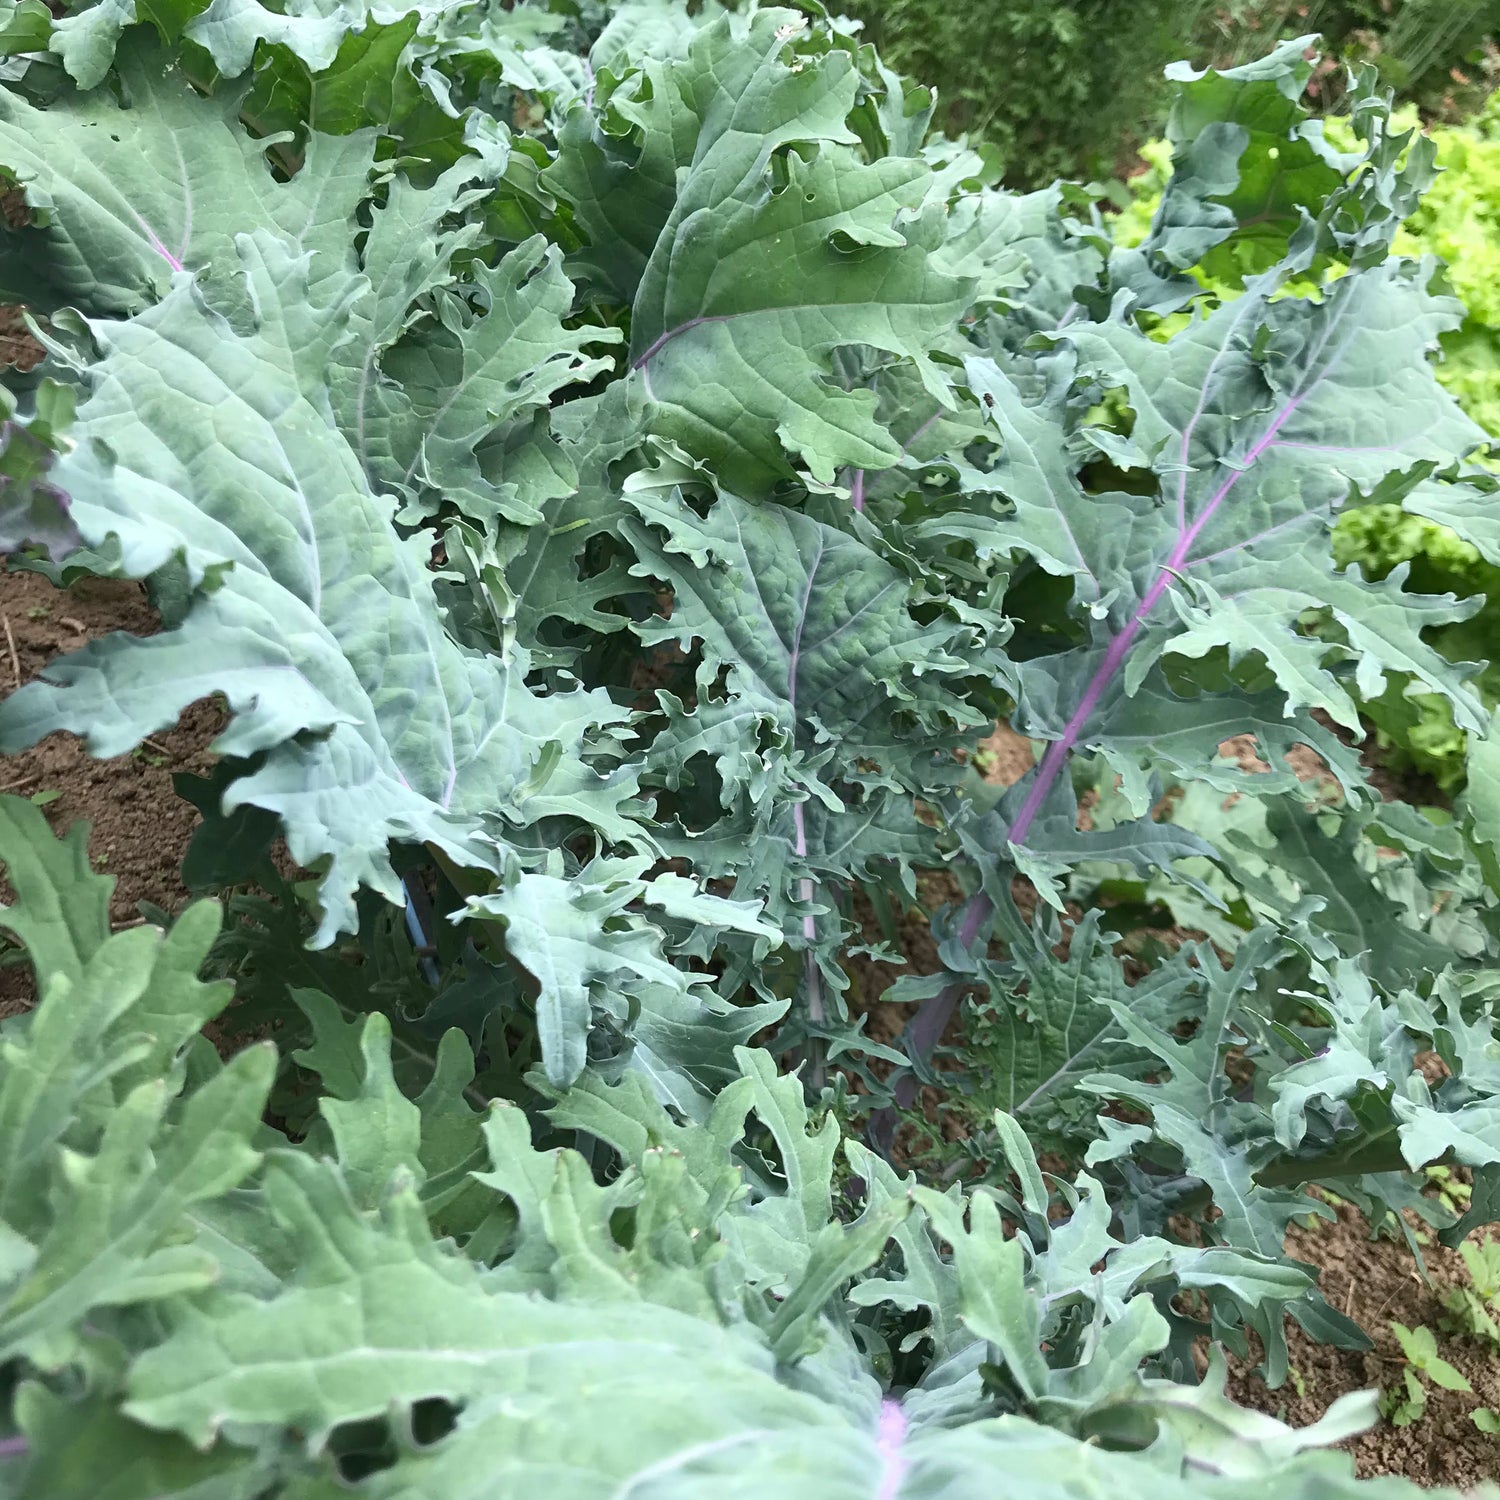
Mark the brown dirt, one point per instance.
(140, 826)
(17, 346)
(1376, 1282)
(1005, 757)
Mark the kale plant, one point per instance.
(414, 1297)
(613, 465)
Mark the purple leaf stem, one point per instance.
(157, 245)
(806, 888)
(662, 340)
(671, 333)
(928, 1024)
(644, 361)
(916, 437)
(806, 891)
(13, 1447)
(857, 478)
(890, 1437)
(1114, 657)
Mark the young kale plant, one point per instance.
(611, 465)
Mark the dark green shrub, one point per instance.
(1438, 53)
(1065, 87)
(1058, 86)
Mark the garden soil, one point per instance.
(17, 347)
(141, 828)
(1377, 1283)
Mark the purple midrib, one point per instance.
(890, 1439)
(156, 244)
(807, 891)
(1119, 648)
(672, 333)
(662, 340)
(857, 486)
(806, 888)
(931, 1021)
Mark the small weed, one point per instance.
(1486, 1420)
(45, 798)
(38, 612)
(1452, 1193)
(1403, 1405)
(1311, 1221)
(1472, 1310)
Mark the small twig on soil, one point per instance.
(1392, 1298)
(15, 786)
(73, 624)
(10, 640)
(157, 746)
